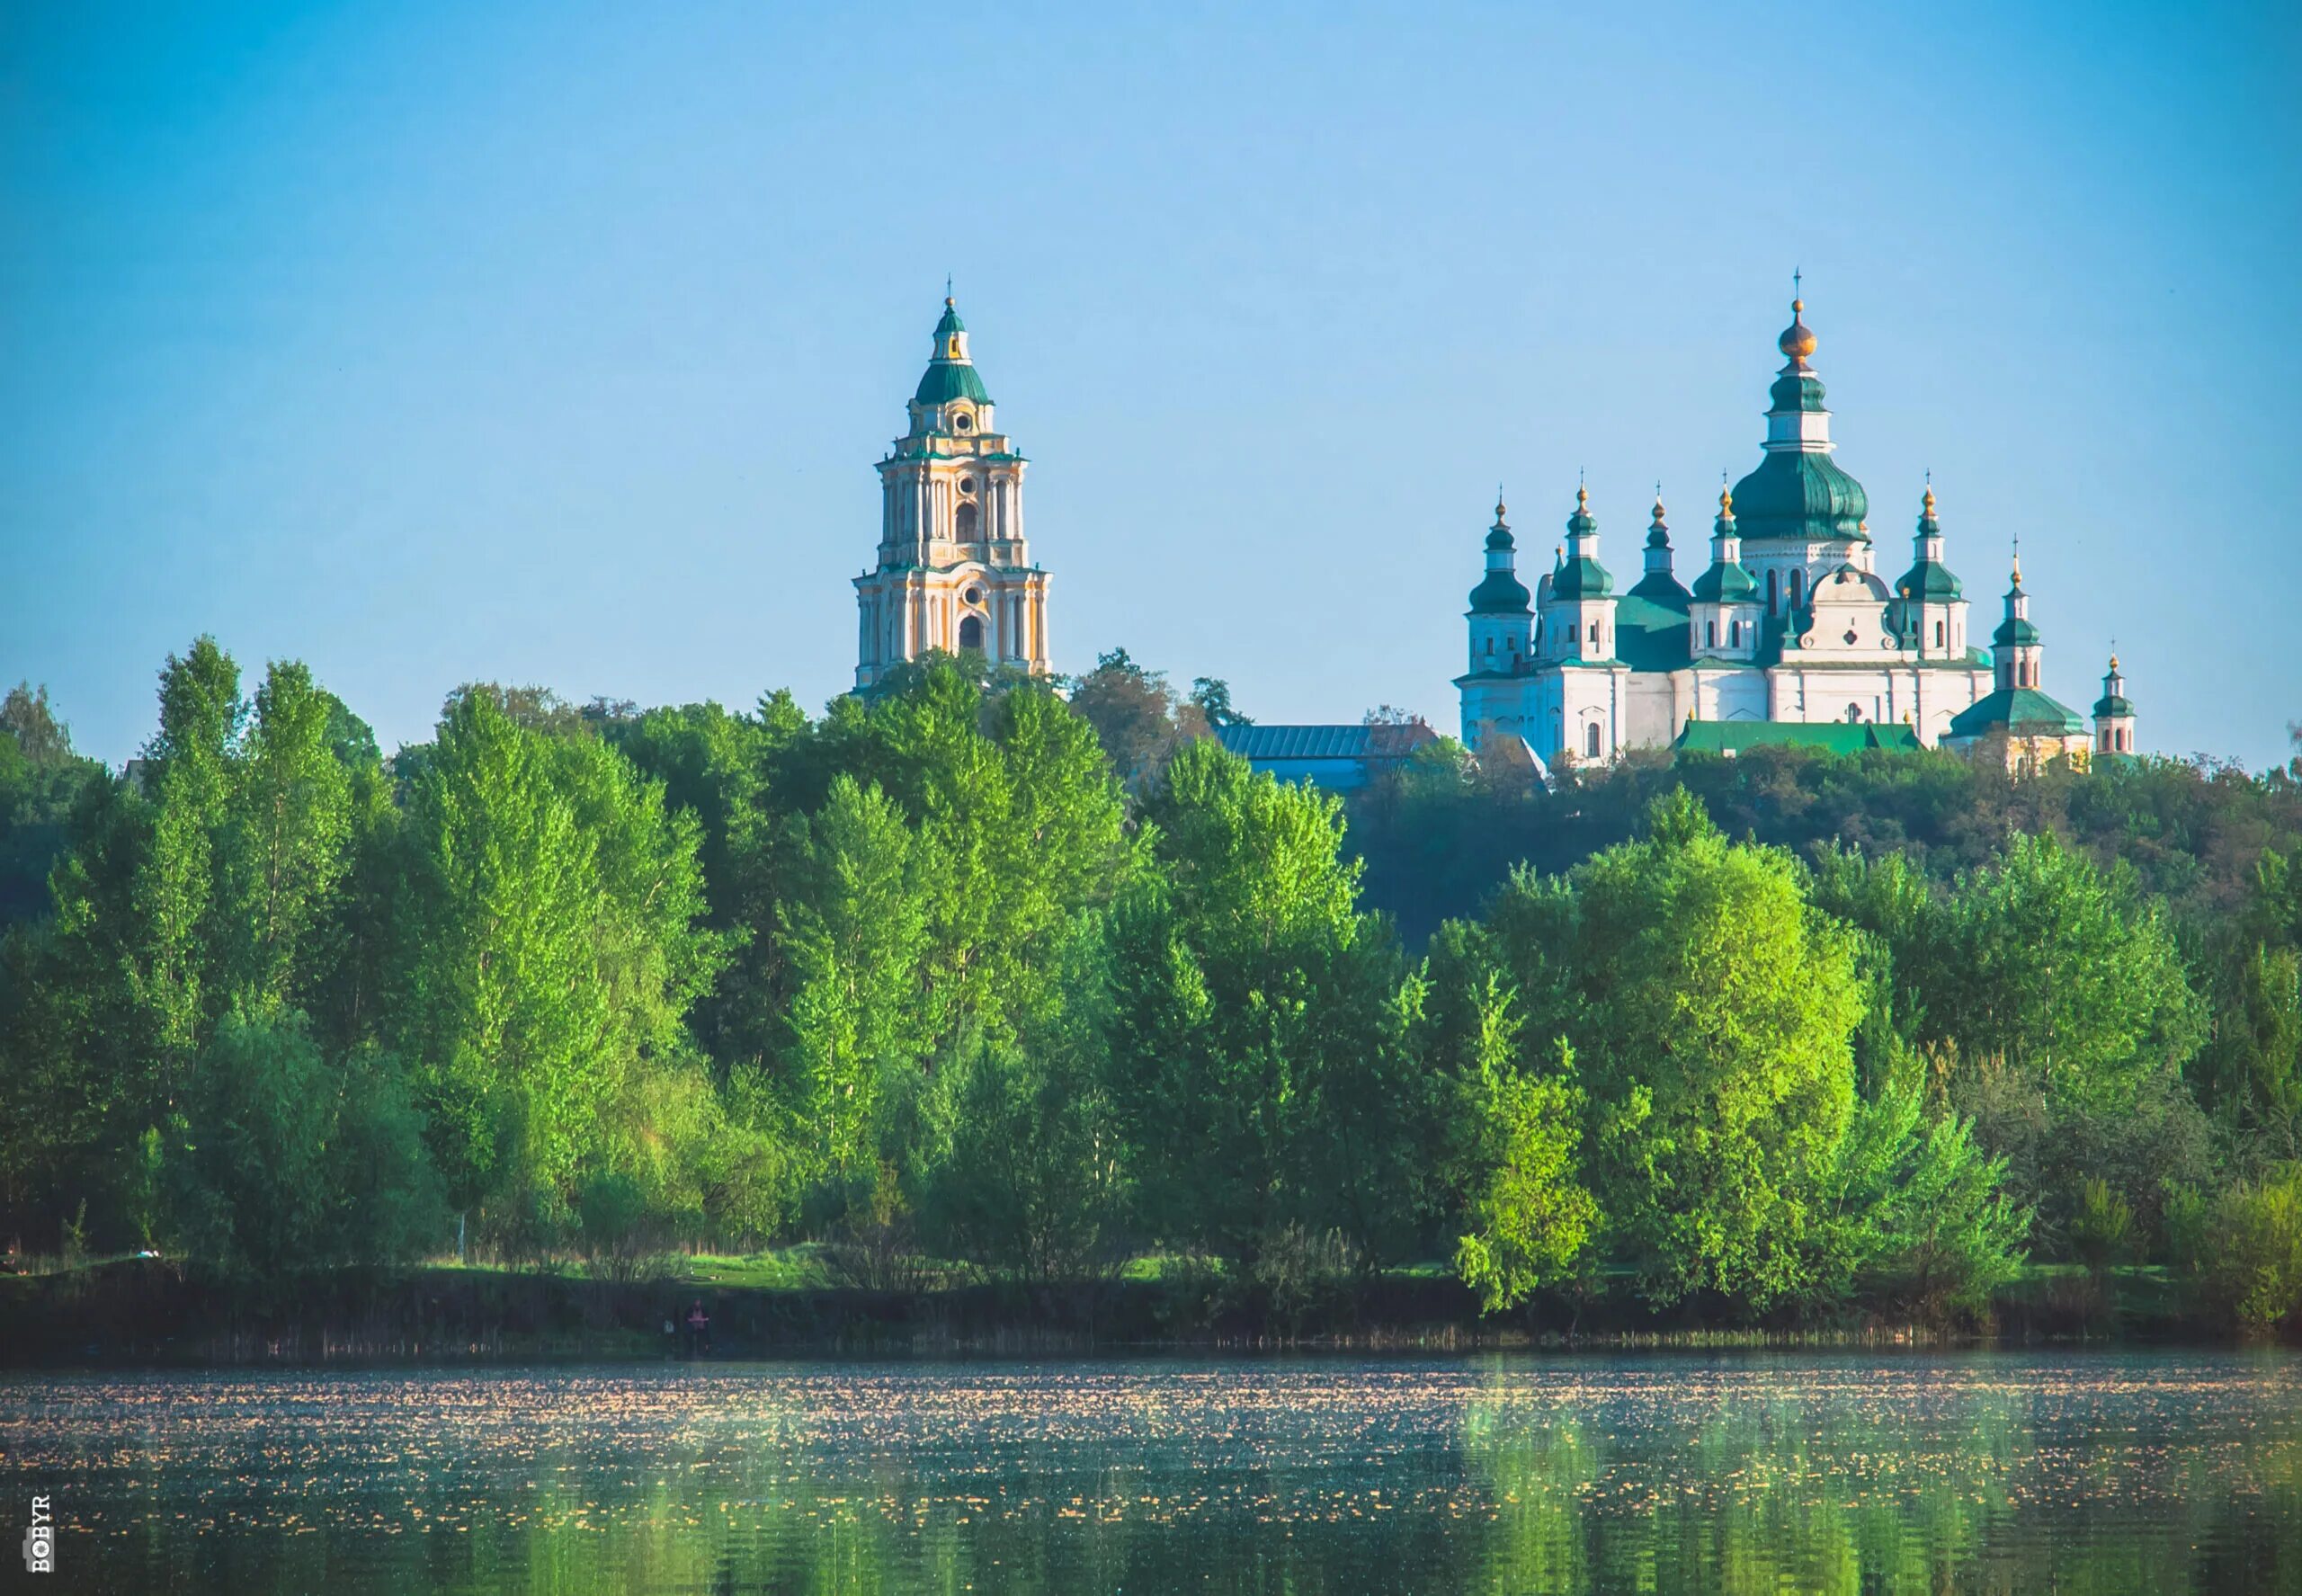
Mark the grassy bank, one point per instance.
(794, 1304)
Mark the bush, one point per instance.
(2243, 1248)
(623, 1238)
(2101, 1231)
(281, 1163)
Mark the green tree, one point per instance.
(855, 936)
(284, 1162)
(549, 944)
(1711, 1009)
(1257, 1051)
(2065, 969)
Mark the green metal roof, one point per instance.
(1724, 584)
(2018, 709)
(2110, 705)
(1651, 631)
(1830, 736)
(1584, 578)
(2014, 631)
(947, 380)
(1500, 593)
(1802, 496)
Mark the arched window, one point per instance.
(1591, 740)
(967, 523)
(1734, 634)
(971, 631)
(1938, 634)
(1774, 595)
(1797, 588)
(1490, 645)
(1710, 634)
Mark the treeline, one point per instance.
(971, 974)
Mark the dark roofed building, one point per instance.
(1339, 758)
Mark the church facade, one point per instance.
(1788, 624)
(953, 571)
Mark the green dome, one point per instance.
(2015, 632)
(1500, 593)
(1928, 581)
(950, 375)
(947, 380)
(1724, 584)
(2110, 706)
(1801, 496)
(1582, 577)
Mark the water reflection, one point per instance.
(1987, 1472)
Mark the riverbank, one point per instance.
(151, 1310)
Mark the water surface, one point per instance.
(2128, 1472)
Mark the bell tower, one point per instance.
(953, 571)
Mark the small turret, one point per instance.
(1930, 608)
(2113, 714)
(2016, 646)
(1580, 576)
(1500, 619)
(1724, 617)
(1578, 599)
(1659, 581)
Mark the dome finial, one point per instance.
(1797, 340)
(2017, 575)
(947, 300)
(1498, 503)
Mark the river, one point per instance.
(2119, 1471)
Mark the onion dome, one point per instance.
(1725, 581)
(1500, 590)
(1928, 581)
(1580, 576)
(1657, 582)
(1797, 340)
(2113, 705)
(950, 373)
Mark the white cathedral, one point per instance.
(1788, 635)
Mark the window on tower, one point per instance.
(1591, 740)
(967, 523)
(1938, 634)
(971, 632)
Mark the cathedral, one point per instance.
(953, 570)
(1788, 635)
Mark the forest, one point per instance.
(981, 979)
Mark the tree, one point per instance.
(2062, 968)
(285, 841)
(1137, 716)
(1212, 696)
(549, 946)
(283, 1162)
(1527, 1212)
(1257, 1056)
(1710, 1008)
(855, 936)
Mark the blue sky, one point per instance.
(555, 342)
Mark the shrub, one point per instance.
(2242, 1247)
